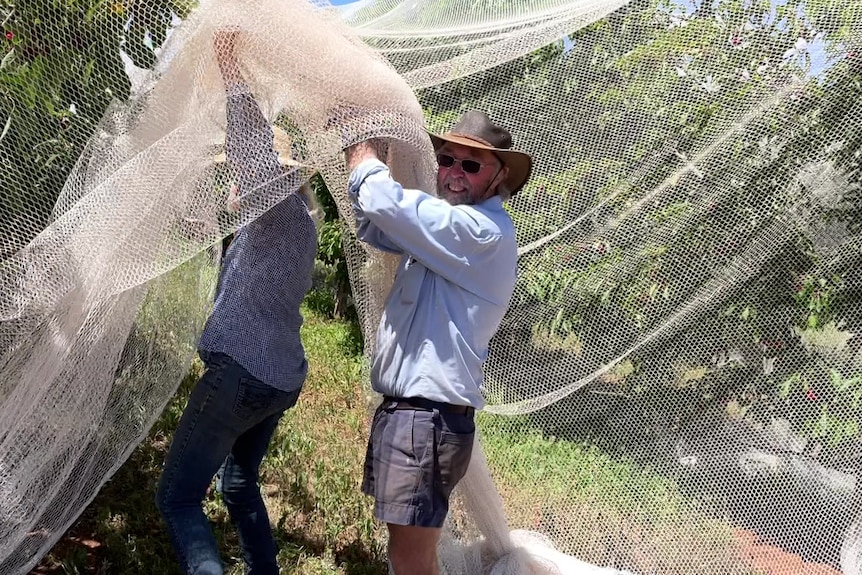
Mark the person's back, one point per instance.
(265, 275)
(251, 349)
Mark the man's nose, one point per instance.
(456, 169)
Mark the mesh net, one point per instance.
(678, 375)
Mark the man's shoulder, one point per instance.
(493, 215)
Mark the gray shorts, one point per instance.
(414, 460)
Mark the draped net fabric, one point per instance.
(680, 362)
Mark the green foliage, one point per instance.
(825, 405)
(333, 298)
(570, 280)
(440, 122)
(60, 68)
(552, 202)
(643, 222)
(329, 242)
(817, 296)
(320, 300)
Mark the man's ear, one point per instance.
(501, 177)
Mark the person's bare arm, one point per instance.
(224, 44)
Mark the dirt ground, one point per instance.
(770, 560)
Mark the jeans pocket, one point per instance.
(253, 398)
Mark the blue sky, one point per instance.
(340, 2)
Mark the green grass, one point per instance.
(310, 480)
(612, 512)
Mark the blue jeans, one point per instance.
(225, 429)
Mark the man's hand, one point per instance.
(351, 122)
(369, 149)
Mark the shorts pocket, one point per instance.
(400, 447)
(455, 449)
(456, 428)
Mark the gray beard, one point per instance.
(468, 198)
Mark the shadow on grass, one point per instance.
(358, 561)
(354, 558)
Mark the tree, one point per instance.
(60, 69)
(673, 146)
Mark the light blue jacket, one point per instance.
(451, 291)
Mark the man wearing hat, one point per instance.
(451, 291)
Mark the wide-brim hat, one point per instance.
(282, 144)
(476, 130)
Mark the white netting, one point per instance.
(679, 364)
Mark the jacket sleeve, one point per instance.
(447, 239)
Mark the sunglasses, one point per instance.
(469, 166)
